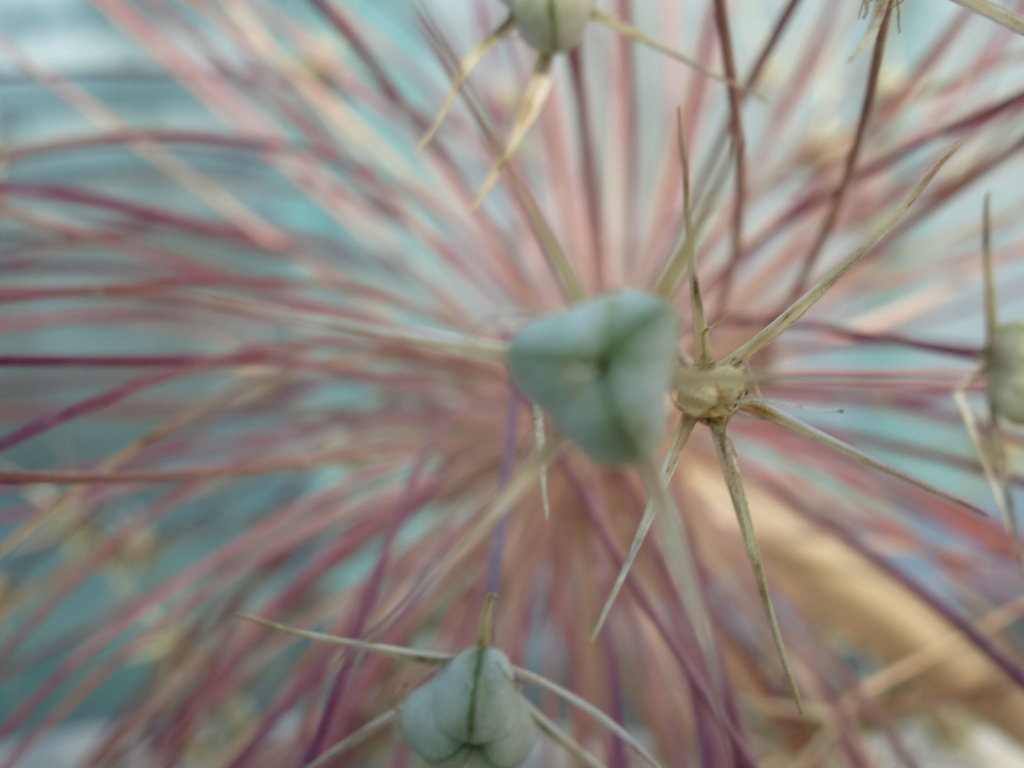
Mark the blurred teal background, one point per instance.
(73, 38)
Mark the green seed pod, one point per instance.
(471, 715)
(602, 369)
(550, 26)
(1006, 371)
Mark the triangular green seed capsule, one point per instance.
(471, 715)
(602, 370)
(550, 26)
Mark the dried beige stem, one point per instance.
(800, 307)
(734, 482)
(997, 13)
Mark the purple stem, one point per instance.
(700, 689)
(243, 142)
(138, 212)
(371, 591)
(873, 710)
(131, 361)
(618, 757)
(345, 28)
(54, 419)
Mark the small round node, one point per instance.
(711, 393)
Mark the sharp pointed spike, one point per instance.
(534, 97)
(563, 738)
(425, 657)
(800, 307)
(734, 482)
(971, 425)
(632, 33)
(527, 677)
(993, 455)
(997, 13)
(683, 433)
(634, 549)
(797, 427)
(1005, 493)
(354, 739)
(466, 66)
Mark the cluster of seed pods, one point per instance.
(602, 371)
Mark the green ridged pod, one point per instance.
(471, 715)
(551, 26)
(602, 370)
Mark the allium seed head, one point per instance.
(658, 339)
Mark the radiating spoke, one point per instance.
(354, 739)
(800, 307)
(701, 339)
(637, 36)
(396, 651)
(734, 482)
(561, 737)
(992, 456)
(686, 426)
(517, 486)
(531, 678)
(971, 425)
(797, 427)
(997, 13)
(542, 228)
(989, 274)
(1008, 507)
(536, 93)
(469, 61)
